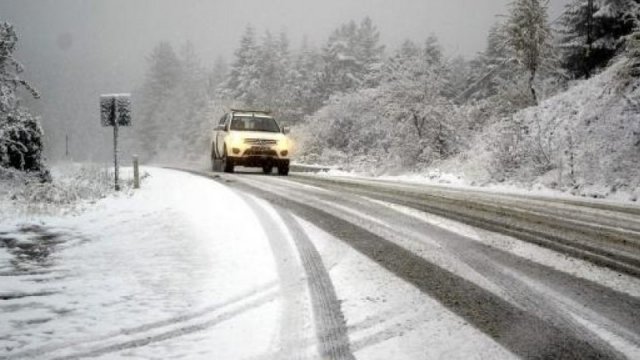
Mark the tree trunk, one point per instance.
(532, 76)
(418, 124)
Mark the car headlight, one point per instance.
(285, 147)
(235, 140)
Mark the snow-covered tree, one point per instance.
(352, 57)
(369, 52)
(408, 50)
(217, 76)
(593, 31)
(21, 143)
(189, 98)
(172, 104)
(412, 96)
(490, 70)
(433, 51)
(341, 68)
(304, 84)
(243, 80)
(528, 36)
(273, 72)
(162, 78)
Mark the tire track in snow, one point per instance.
(331, 331)
(330, 324)
(255, 302)
(149, 327)
(292, 289)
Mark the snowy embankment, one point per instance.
(585, 140)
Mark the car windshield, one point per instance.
(251, 123)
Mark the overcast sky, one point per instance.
(123, 31)
(76, 49)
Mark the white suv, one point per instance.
(250, 138)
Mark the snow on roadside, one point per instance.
(182, 249)
(449, 180)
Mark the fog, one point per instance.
(74, 50)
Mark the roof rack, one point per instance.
(268, 112)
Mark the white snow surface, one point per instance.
(180, 249)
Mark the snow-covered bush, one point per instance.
(72, 185)
(384, 129)
(21, 145)
(348, 128)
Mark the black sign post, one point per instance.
(115, 110)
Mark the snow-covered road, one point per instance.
(261, 267)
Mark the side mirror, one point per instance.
(286, 130)
(220, 128)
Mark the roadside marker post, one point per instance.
(115, 111)
(136, 173)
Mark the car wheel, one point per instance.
(227, 164)
(283, 170)
(267, 169)
(214, 161)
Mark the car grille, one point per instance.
(260, 142)
(260, 152)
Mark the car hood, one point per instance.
(259, 135)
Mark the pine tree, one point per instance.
(305, 79)
(162, 78)
(352, 58)
(272, 71)
(188, 99)
(433, 51)
(528, 36)
(286, 104)
(217, 76)
(243, 80)
(369, 52)
(341, 67)
(593, 31)
(408, 50)
(164, 71)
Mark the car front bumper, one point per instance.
(258, 161)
